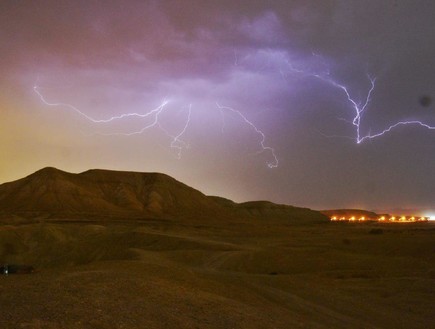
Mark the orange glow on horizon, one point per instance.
(392, 219)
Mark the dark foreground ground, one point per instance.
(246, 274)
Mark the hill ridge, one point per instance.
(107, 192)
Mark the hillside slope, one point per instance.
(119, 193)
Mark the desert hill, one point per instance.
(141, 250)
(119, 193)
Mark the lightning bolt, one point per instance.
(358, 107)
(155, 112)
(155, 122)
(359, 110)
(400, 123)
(176, 142)
(271, 164)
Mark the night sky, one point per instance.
(250, 100)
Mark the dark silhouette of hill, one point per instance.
(117, 193)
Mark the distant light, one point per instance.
(430, 216)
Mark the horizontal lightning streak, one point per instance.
(157, 111)
(175, 143)
(400, 123)
(75, 109)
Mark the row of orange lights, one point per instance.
(402, 219)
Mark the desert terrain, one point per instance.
(127, 260)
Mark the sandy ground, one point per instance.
(209, 274)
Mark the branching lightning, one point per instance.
(359, 110)
(264, 148)
(176, 141)
(359, 107)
